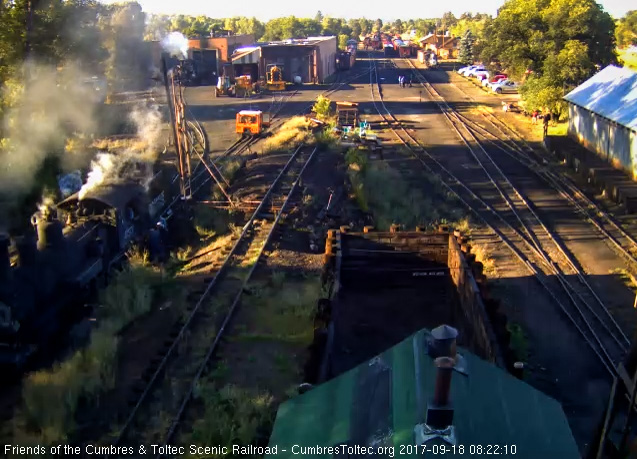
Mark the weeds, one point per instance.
(51, 397)
(231, 168)
(627, 278)
(232, 416)
(519, 343)
(382, 191)
(210, 222)
(277, 279)
(285, 310)
(483, 255)
(292, 133)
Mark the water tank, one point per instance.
(298, 80)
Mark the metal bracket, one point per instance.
(424, 433)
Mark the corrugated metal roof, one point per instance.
(381, 401)
(611, 93)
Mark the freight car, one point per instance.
(73, 250)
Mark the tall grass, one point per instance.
(211, 222)
(383, 192)
(51, 397)
(291, 134)
(232, 416)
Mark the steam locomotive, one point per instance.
(78, 243)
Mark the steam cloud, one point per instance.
(132, 163)
(176, 45)
(55, 105)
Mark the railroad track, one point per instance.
(169, 384)
(511, 143)
(519, 227)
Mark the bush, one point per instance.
(322, 107)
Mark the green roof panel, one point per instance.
(379, 403)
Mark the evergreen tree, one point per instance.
(466, 48)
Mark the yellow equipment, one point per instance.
(274, 78)
(250, 122)
(243, 86)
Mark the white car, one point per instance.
(481, 75)
(505, 86)
(464, 70)
(472, 72)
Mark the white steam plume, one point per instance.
(176, 45)
(53, 105)
(133, 163)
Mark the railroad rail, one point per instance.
(186, 359)
(518, 149)
(519, 235)
(578, 294)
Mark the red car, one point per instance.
(495, 79)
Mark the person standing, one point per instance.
(547, 118)
(534, 117)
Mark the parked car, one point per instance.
(464, 70)
(472, 72)
(481, 75)
(494, 80)
(505, 86)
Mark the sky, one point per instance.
(371, 9)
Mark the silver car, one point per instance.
(505, 87)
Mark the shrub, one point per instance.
(322, 107)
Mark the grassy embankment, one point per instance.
(52, 397)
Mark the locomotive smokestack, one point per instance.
(444, 342)
(5, 262)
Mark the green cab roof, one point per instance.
(381, 401)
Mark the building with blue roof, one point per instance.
(603, 116)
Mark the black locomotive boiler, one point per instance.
(73, 249)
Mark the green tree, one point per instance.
(560, 41)
(342, 41)
(378, 25)
(466, 48)
(356, 29)
(366, 26)
(398, 26)
(319, 17)
(626, 31)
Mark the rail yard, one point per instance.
(327, 246)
